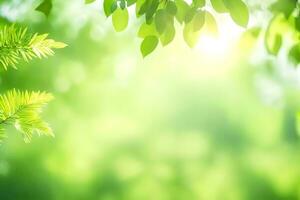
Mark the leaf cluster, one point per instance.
(160, 15)
(22, 110)
(17, 44)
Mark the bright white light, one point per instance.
(221, 45)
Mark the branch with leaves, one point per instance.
(22, 110)
(17, 44)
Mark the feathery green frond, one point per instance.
(22, 109)
(16, 44)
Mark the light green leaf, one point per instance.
(89, 1)
(190, 36)
(168, 35)
(210, 24)
(238, 11)
(148, 45)
(16, 44)
(146, 30)
(219, 6)
(198, 3)
(274, 32)
(171, 8)
(190, 15)
(182, 10)
(199, 20)
(120, 19)
(22, 109)
(45, 7)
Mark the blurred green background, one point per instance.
(178, 125)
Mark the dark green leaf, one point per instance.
(130, 2)
(109, 7)
(238, 11)
(138, 6)
(148, 45)
(219, 6)
(122, 4)
(144, 7)
(151, 10)
(297, 22)
(45, 7)
(294, 54)
(120, 19)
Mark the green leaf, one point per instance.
(22, 109)
(138, 6)
(148, 45)
(190, 36)
(151, 10)
(238, 11)
(198, 3)
(109, 6)
(89, 1)
(171, 8)
(219, 6)
(168, 35)
(146, 30)
(120, 19)
(160, 20)
(122, 4)
(284, 6)
(182, 9)
(190, 15)
(274, 32)
(297, 22)
(131, 2)
(274, 45)
(210, 24)
(199, 20)
(45, 7)
(144, 6)
(294, 54)
(16, 44)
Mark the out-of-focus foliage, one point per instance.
(22, 109)
(200, 123)
(284, 29)
(16, 44)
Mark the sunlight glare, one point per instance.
(221, 45)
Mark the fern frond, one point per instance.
(16, 44)
(22, 109)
